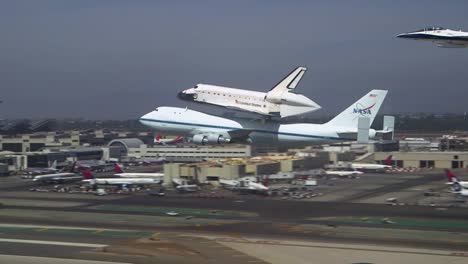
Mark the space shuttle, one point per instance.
(281, 101)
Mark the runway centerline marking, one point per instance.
(56, 243)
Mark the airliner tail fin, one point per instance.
(368, 107)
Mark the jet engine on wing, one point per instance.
(210, 139)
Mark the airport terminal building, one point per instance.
(135, 148)
(438, 160)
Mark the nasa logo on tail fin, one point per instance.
(363, 111)
(368, 106)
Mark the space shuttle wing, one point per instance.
(243, 108)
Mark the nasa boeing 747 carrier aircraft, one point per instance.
(210, 129)
(280, 101)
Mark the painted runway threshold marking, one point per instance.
(56, 243)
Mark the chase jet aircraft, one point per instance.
(445, 38)
(279, 101)
(209, 129)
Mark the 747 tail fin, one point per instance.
(368, 106)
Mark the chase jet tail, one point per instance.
(367, 107)
(290, 81)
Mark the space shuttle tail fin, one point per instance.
(290, 81)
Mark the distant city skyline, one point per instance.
(120, 59)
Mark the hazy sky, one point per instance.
(103, 59)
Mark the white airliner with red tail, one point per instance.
(373, 166)
(120, 173)
(280, 101)
(120, 181)
(66, 176)
(167, 141)
(210, 129)
(458, 187)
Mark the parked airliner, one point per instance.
(210, 129)
(32, 171)
(150, 175)
(88, 177)
(373, 167)
(279, 101)
(244, 184)
(66, 176)
(458, 187)
(445, 38)
(343, 173)
(167, 141)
